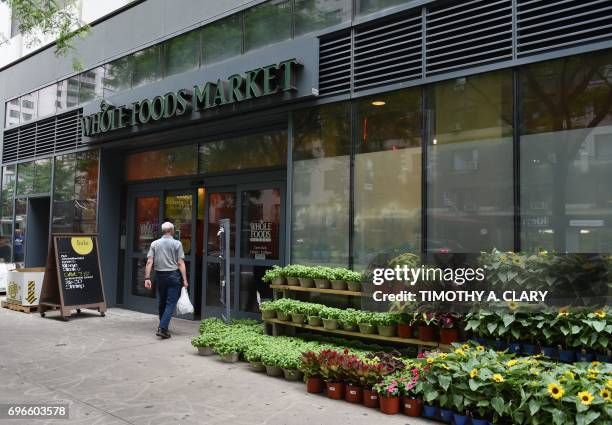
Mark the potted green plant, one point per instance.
(337, 279)
(322, 277)
(270, 360)
(305, 276)
(353, 281)
(292, 272)
(427, 322)
(289, 363)
(330, 318)
(448, 328)
(348, 319)
(313, 312)
(386, 323)
(298, 313)
(202, 343)
(283, 309)
(227, 350)
(365, 322)
(275, 275)
(267, 310)
(253, 355)
(404, 326)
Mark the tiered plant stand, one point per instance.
(285, 288)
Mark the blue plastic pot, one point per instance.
(530, 349)
(479, 421)
(429, 411)
(460, 419)
(499, 345)
(550, 352)
(567, 356)
(481, 341)
(446, 415)
(585, 357)
(602, 358)
(514, 347)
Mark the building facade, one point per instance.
(333, 132)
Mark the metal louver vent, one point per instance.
(45, 137)
(468, 33)
(552, 25)
(388, 52)
(335, 64)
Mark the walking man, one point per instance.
(167, 256)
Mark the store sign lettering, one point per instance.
(260, 82)
(261, 232)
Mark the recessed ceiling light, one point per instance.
(379, 103)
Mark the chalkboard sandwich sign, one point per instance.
(73, 279)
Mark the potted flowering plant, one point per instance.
(311, 368)
(353, 366)
(427, 322)
(404, 325)
(330, 362)
(412, 404)
(448, 328)
(389, 392)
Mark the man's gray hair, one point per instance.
(168, 227)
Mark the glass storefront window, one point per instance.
(182, 53)
(34, 177)
(147, 66)
(470, 165)
(90, 84)
(118, 75)
(314, 15)
(220, 205)
(566, 154)
(387, 184)
(25, 178)
(363, 7)
(243, 153)
(250, 285)
(321, 182)
(222, 39)
(67, 94)
(267, 23)
(178, 210)
(21, 207)
(12, 113)
(261, 221)
(47, 100)
(29, 107)
(6, 216)
(179, 161)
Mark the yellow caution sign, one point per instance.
(31, 297)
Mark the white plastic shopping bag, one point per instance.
(184, 306)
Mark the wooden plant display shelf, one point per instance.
(322, 291)
(392, 339)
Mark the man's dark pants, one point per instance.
(169, 289)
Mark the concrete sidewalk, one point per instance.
(114, 370)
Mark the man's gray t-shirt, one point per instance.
(166, 252)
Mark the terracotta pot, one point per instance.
(268, 314)
(293, 281)
(404, 330)
(306, 282)
(335, 390)
(279, 281)
(427, 333)
(338, 285)
(370, 398)
(412, 406)
(390, 405)
(354, 394)
(448, 336)
(354, 286)
(314, 385)
(322, 283)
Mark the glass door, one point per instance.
(255, 246)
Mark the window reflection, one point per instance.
(47, 98)
(368, 6)
(321, 174)
(179, 161)
(566, 166)
(222, 39)
(470, 170)
(313, 15)
(12, 113)
(67, 94)
(6, 216)
(118, 75)
(182, 53)
(267, 23)
(29, 107)
(147, 66)
(90, 84)
(388, 178)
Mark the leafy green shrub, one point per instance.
(275, 272)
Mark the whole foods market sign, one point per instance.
(260, 82)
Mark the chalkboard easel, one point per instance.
(73, 278)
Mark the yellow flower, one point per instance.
(542, 253)
(592, 373)
(503, 258)
(442, 355)
(516, 261)
(474, 373)
(600, 313)
(430, 360)
(563, 313)
(585, 397)
(511, 362)
(465, 346)
(443, 366)
(460, 352)
(555, 390)
(606, 394)
(480, 348)
(609, 384)
(595, 363)
(534, 371)
(498, 378)
(513, 305)
(569, 375)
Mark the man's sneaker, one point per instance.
(164, 334)
(159, 332)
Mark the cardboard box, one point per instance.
(24, 286)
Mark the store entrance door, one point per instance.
(256, 244)
(148, 209)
